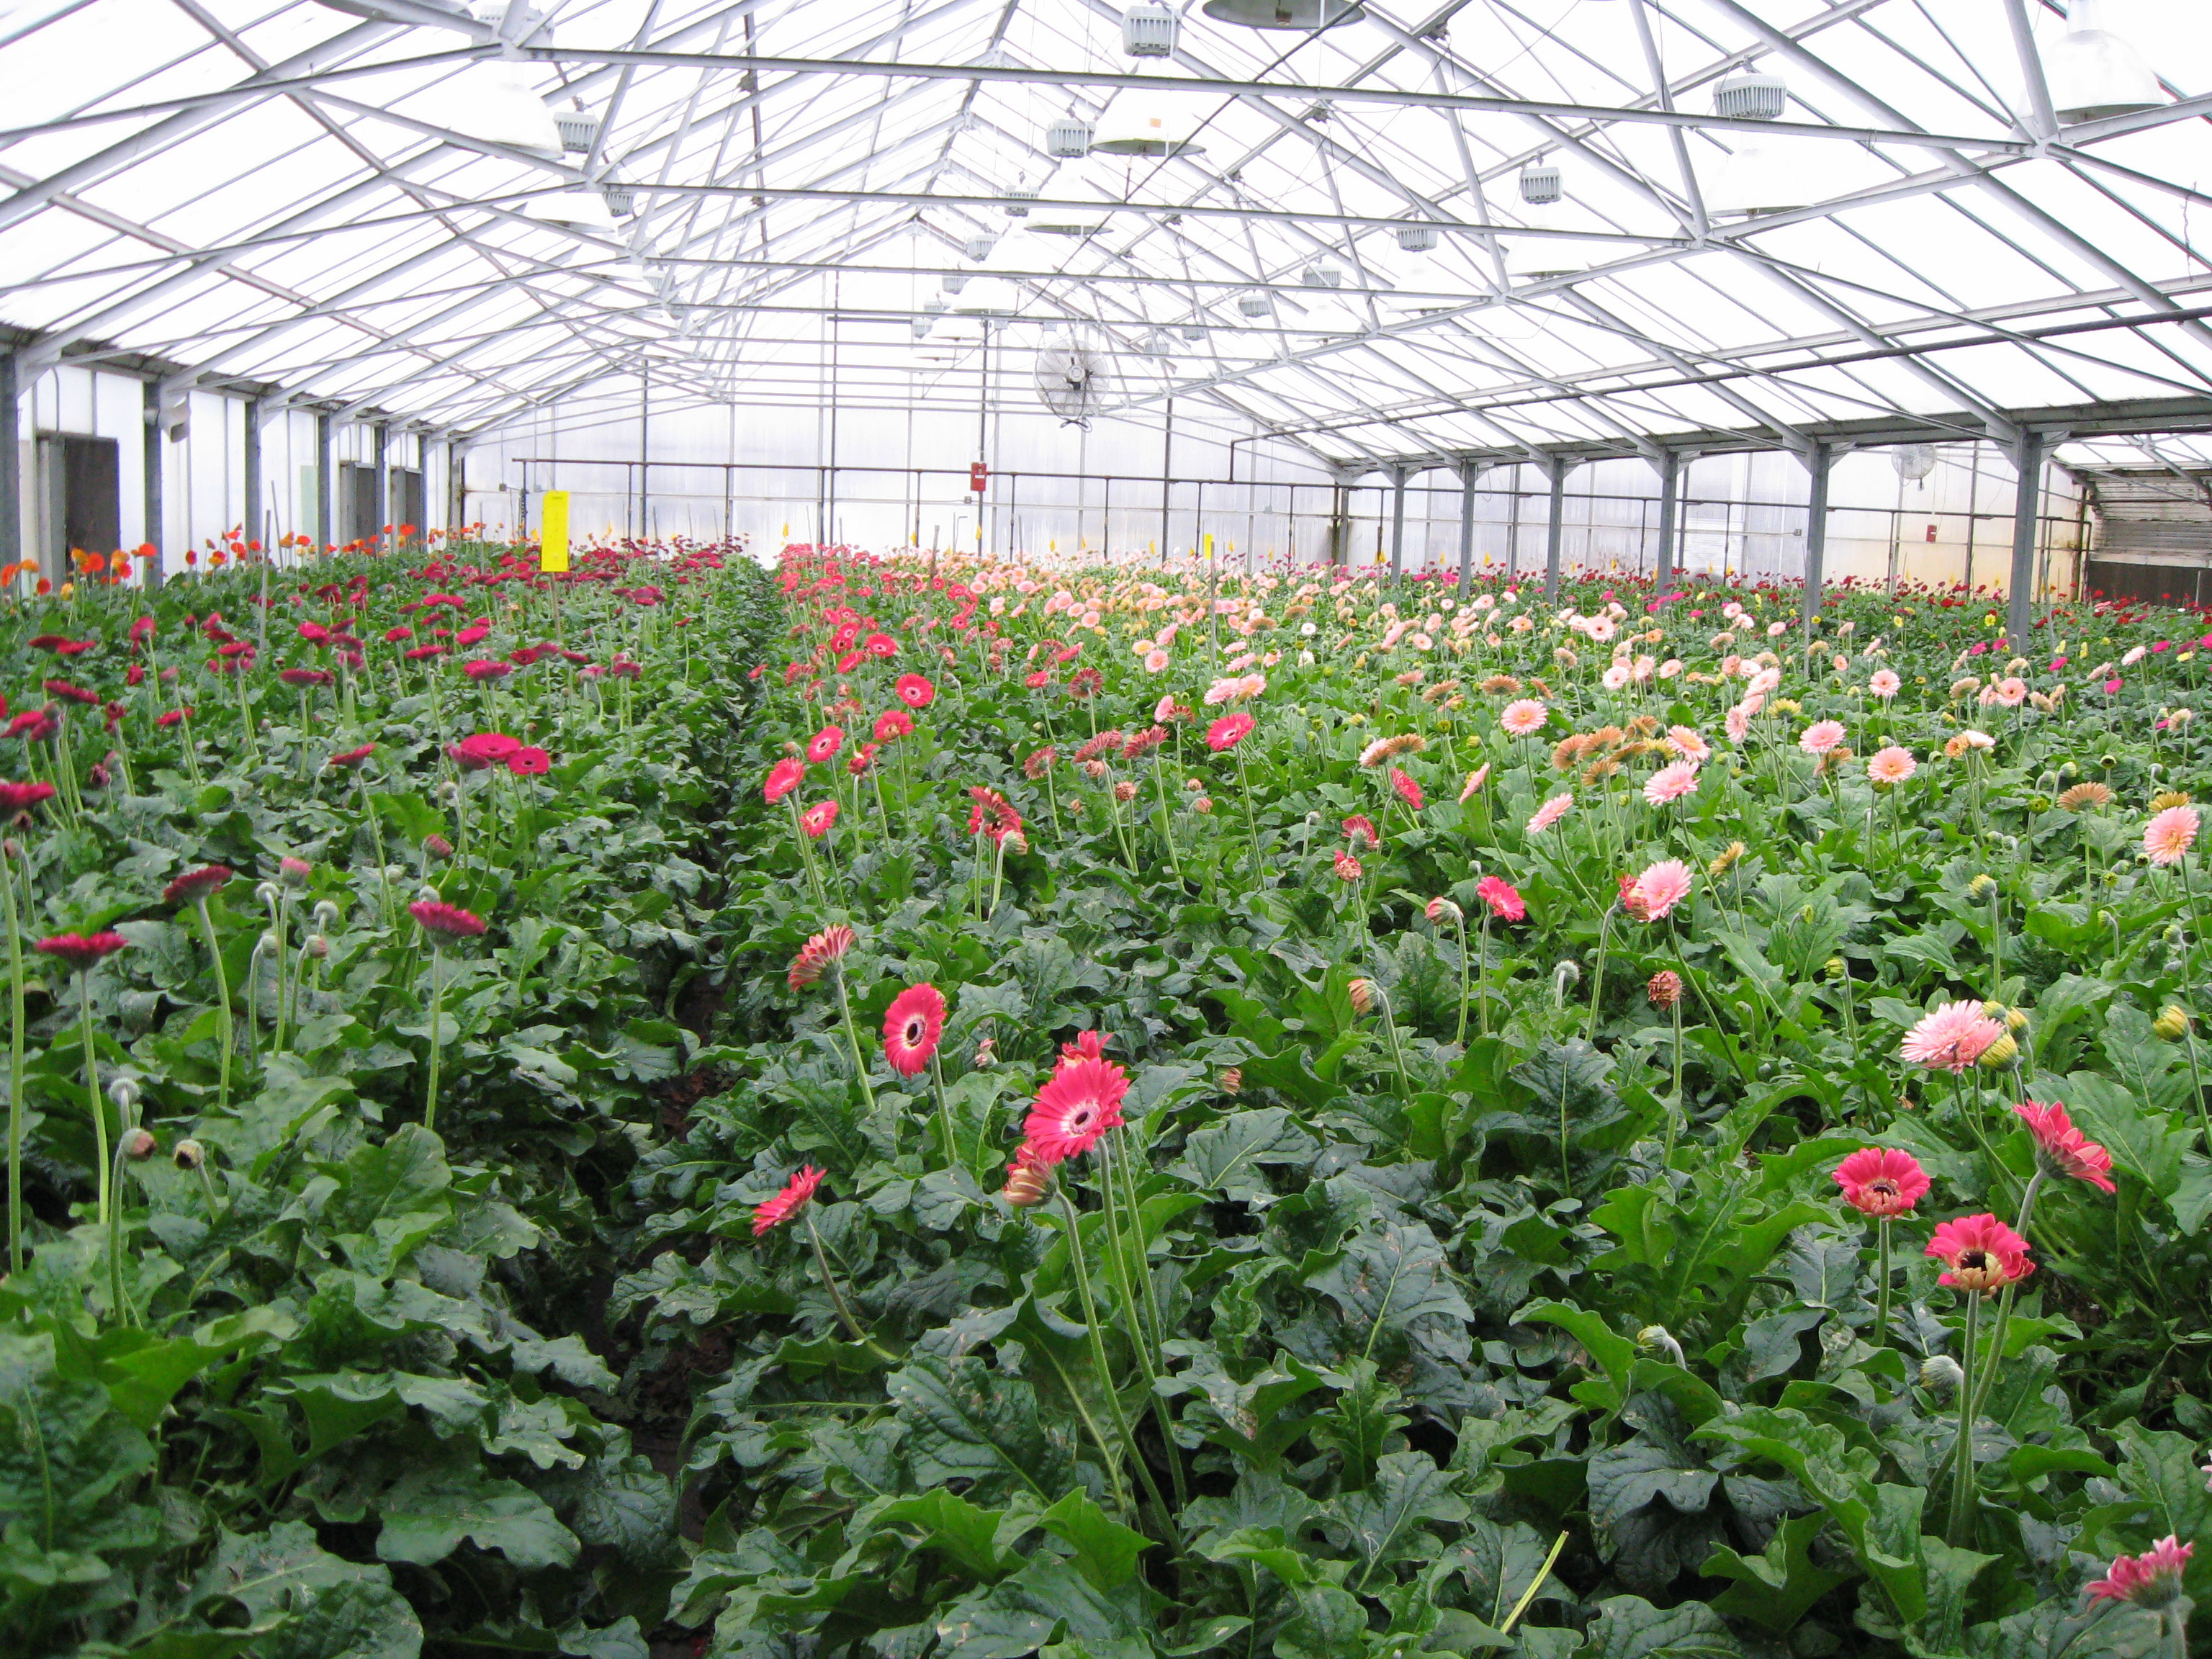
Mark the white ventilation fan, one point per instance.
(1072, 378)
(1914, 462)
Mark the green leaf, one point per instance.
(1106, 1552)
(1385, 1523)
(1629, 1627)
(1229, 1157)
(1499, 1564)
(1363, 1425)
(1328, 1624)
(426, 1516)
(1775, 1587)
(966, 1422)
(1392, 1278)
(1020, 1614)
(948, 1523)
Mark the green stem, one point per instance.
(1597, 975)
(1482, 989)
(852, 1035)
(1962, 1457)
(437, 1036)
(118, 1306)
(221, 998)
(1098, 1360)
(943, 1113)
(2004, 1303)
(837, 1299)
(1882, 1282)
(91, 1091)
(1460, 1037)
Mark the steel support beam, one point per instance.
(155, 448)
(324, 539)
(1398, 476)
(1468, 472)
(11, 462)
(1820, 463)
(1556, 467)
(2028, 505)
(1670, 489)
(381, 516)
(253, 516)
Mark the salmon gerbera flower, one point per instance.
(1951, 1038)
(2063, 1150)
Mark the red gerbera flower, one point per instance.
(796, 1194)
(817, 819)
(1078, 1105)
(1982, 1254)
(783, 777)
(915, 691)
(992, 815)
(825, 948)
(529, 761)
(306, 676)
(172, 717)
(1228, 731)
(2063, 1150)
(483, 668)
(1408, 791)
(437, 916)
(82, 951)
(22, 797)
(860, 759)
(1360, 828)
(1506, 901)
(196, 884)
(825, 744)
(912, 1025)
(1881, 1180)
(352, 756)
(893, 724)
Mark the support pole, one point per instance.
(1167, 462)
(383, 485)
(153, 451)
(1398, 476)
(250, 518)
(1816, 531)
(1670, 494)
(1468, 472)
(323, 525)
(2027, 517)
(11, 461)
(1556, 467)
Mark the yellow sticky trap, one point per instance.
(1209, 545)
(553, 531)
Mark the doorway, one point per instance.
(82, 501)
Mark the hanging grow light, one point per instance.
(492, 102)
(1322, 273)
(1304, 14)
(578, 131)
(978, 248)
(1255, 305)
(1417, 239)
(2094, 74)
(1068, 137)
(1147, 127)
(1540, 183)
(1763, 175)
(1150, 30)
(1017, 203)
(621, 199)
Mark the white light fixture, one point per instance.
(954, 282)
(1752, 96)
(1255, 305)
(2094, 73)
(1150, 30)
(978, 248)
(621, 199)
(1137, 125)
(1068, 221)
(1417, 239)
(1017, 202)
(1304, 14)
(1322, 273)
(1762, 175)
(577, 130)
(1540, 183)
(1068, 137)
(491, 101)
(578, 210)
(1193, 332)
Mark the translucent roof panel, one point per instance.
(1472, 226)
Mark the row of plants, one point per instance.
(1297, 1116)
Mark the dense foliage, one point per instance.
(954, 1112)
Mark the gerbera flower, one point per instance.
(1039, 762)
(817, 819)
(1360, 828)
(915, 691)
(1156, 662)
(81, 952)
(1079, 1104)
(912, 1025)
(1685, 742)
(2167, 837)
(2082, 797)
(862, 758)
(825, 744)
(1348, 868)
(1821, 737)
(1504, 901)
(992, 815)
(1671, 782)
(797, 1193)
(1981, 1252)
(1664, 989)
(1408, 791)
(1522, 718)
(2152, 1579)
(484, 669)
(892, 724)
(1228, 731)
(1440, 910)
(2063, 1150)
(827, 947)
(1884, 684)
(1029, 1178)
(1550, 813)
(196, 884)
(352, 756)
(1892, 766)
(1654, 895)
(436, 916)
(529, 761)
(1951, 1038)
(306, 676)
(1881, 1180)
(22, 797)
(1475, 780)
(783, 777)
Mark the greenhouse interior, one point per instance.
(1106, 829)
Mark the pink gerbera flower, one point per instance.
(1523, 718)
(1475, 780)
(1504, 901)
(81, 952)
(2063, 1150)
(1671, 782)
(1981, 1252)
(1881, 1180)
(1081, 1103)
(1358, 828)
(825, 949)
(817, 819)
(529, 761)
(436, 916)
(1654, 895)
(1228, 731)
(1892, 766)
(797, 1193)
(1884, 683)
(2152, 1579)
(1951, 1038)
(1550, 813)
(912, 1025)
(2168, 837)
(825, 744)
(1408, 791)
(1821, 737)
(783, 777)
(892, 724)
(916, 690)
(1685, 742)
(1348, 868)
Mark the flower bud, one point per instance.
(1665, 989)
(1835, 968)
(1980, 886)
(294, 872)
(1016, 842)
(1941, 1374)
(140, 1145)
(437, 846)
(1440, 910)
(1232, 1080)
(985, 1054)
(326, 915)
(1027, 1180)
(2172, 1023)
(317, 946)
(2000, 1054)
(188, 1154)
(124, 1091)
(1659, 1337)
(1362, 992)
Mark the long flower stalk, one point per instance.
(11, 855)
(1962, 1453)
(225, 1032)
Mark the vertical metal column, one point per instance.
(153, 482)
(11, 462)
(1556, 467)
(645, 449)
(1398, 476)
(457, 484)
(383, 485)
(1670, 494)
(2027, 515)
(1167, 461)
(1513, 529)
(1468, 472)
(1816, 531)
(324, 525)
(251, 518)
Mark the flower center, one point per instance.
(912, 1035)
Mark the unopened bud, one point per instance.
(1981, 884)
(1835, 968)
(985, 1055)
(124, 1093)
(267, 891)
(326, 915)
(1442, 910)
(188, 1154)
(1016, 842)
(1941, 1373)
(2002, 1053)
(317, 946)
(1232, 1080)
(437, 847)
(294, 872)
(1027, 1180)
(1362, 992)
(2172, 1023)
(1665, 989)
(1658, 1336)
(140, 1145)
